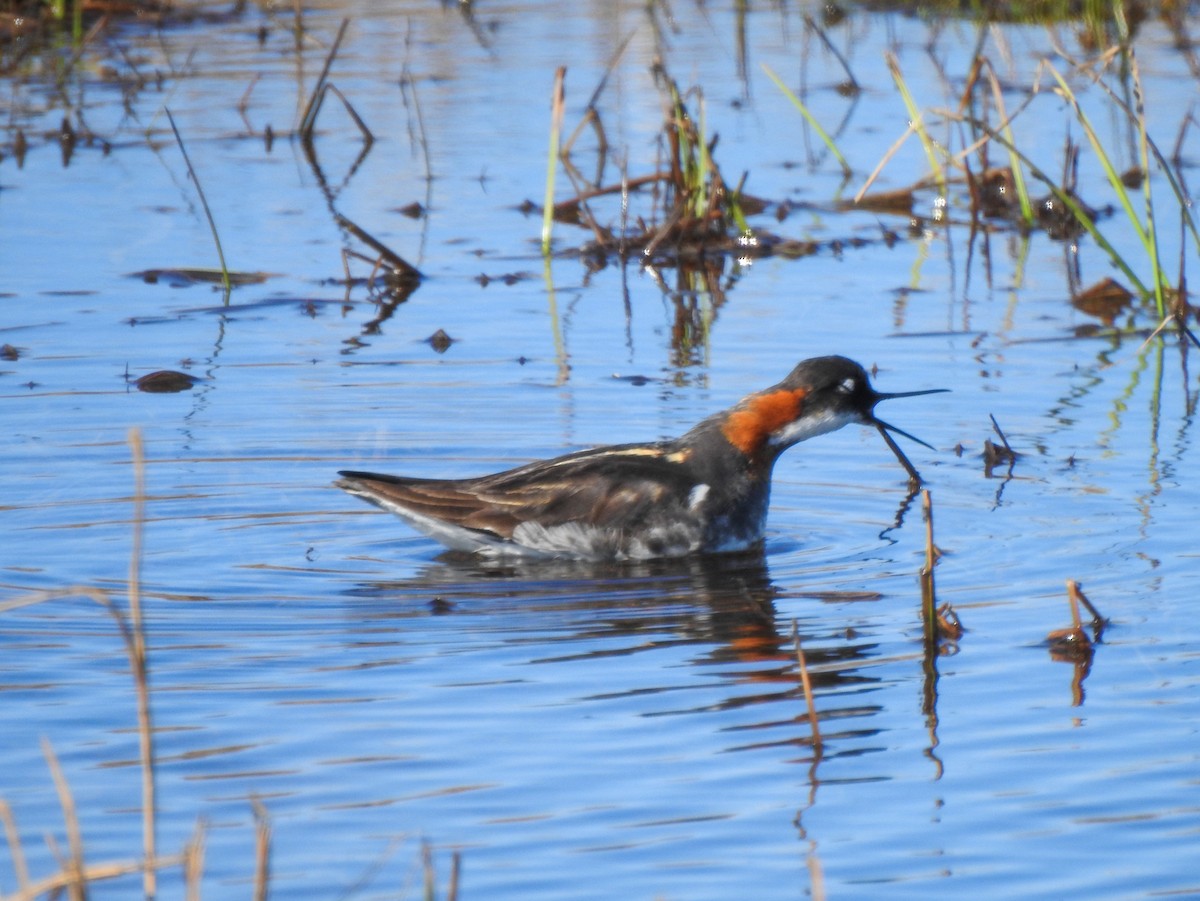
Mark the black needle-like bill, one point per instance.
(884, 428)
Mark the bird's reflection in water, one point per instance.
(724, 607)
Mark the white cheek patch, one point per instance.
(696, 496)
(810, 426)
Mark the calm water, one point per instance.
(576, 732)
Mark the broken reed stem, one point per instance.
(1000, 434)
(891, 151)
(15, 850)
(74, 868)
(430, 877)
(930, 550)
(556, 118)
(262, 850)
(193, 862)
(808, 694)
(455, 870)
(1073, 597)
(212, 225)
(929, 616)
(1078, 597)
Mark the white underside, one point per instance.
(567, 541)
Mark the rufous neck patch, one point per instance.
(748, 428)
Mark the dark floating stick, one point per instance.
(994, 455)
(308, 120)
(1012, 454)
(212, 225)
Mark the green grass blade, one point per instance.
(918, 120)
(1014, 163)
(1114, 177)
(1160, 301)
(808, 116)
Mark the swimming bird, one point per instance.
(704, 492)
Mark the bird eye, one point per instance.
(847, 387)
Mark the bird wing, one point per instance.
(608, 487)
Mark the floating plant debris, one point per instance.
(440, 341)
(184, 278)
(165, 381)
(1105, 300)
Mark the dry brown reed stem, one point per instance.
(73, 868)
(133, 634)
(928, 595)
(137, 662)
(54, 885)
(816, 877)
(808, 694)
(455, 869)
(298, 16)
(1075, 593)
(262, 850)
(1073, 597)
(15, 850)
(193, 862)
(891, 151)
(931, 553)
(400, 268)
(427, 871)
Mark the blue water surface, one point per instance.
(584, 731)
